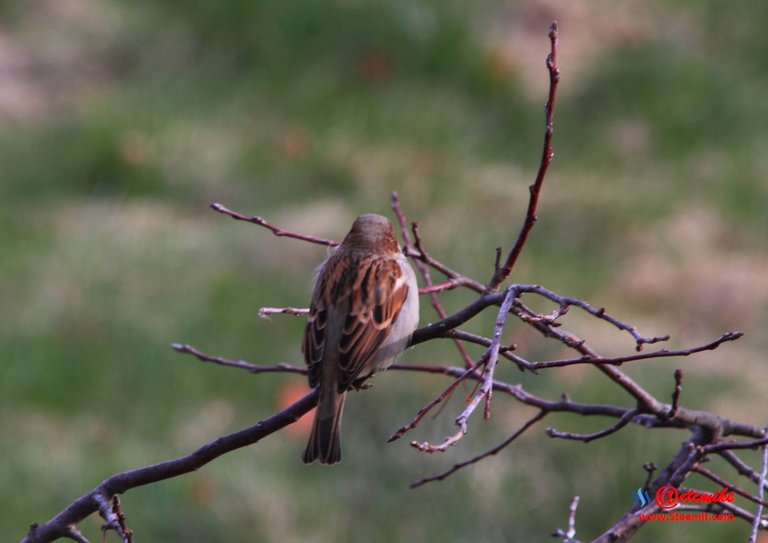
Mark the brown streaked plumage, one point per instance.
(364, 309)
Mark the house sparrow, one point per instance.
(365, 306)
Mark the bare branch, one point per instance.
(460, 465)
(731, 445)
(418, 252)
(672, 474)
(570, 535)
(111, 512)
(255, 219)
(566, 301)
(625, 527)
(424, 270)
(618, 360)
(440, 398)
(507, 351)
(738, 511)
(62, 524)
(625, 419)
(59, 526)
(650, 468)
(265, 312)
(449, 284)
(725, 484)
(242, 364)
(75, 534)
(717, 425)
(546, 158)
(460, 317)
(486, 389)
(676, 394)
(741, 467)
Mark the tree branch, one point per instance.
(725, 484)
(491, 356)
(255, 219)
(504, 271)
(265, 312)
(62, 524)
(540, 415)
(242, 364)
(424, 270)
(625, 419)
(570, 535)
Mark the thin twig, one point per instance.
(741, 467)
(731, 445)
(725, 484)
(456, 467)
(650, 468)
(424, 270)
(600, 313)
(672, 413)
(255, 219)
(125, 532)
(449, 284)
(507, 351)
(569, 536)
(265, 312)
(242, 364)
(486, 389)
(617, 360)
(737, 511)
(440, 398)
(504, 271)
(110, 511)
(418, 252)
(586, 438)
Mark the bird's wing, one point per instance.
(367, 297)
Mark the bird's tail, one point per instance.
(325, 440)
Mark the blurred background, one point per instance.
(122, 121)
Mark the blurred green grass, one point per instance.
(310, 114)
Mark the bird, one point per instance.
(364, 309)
